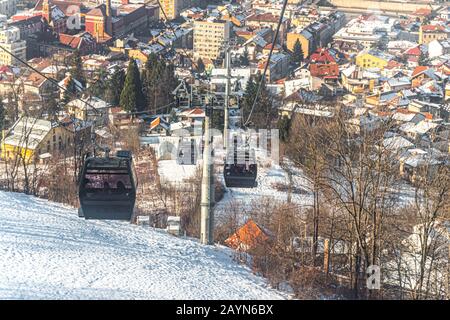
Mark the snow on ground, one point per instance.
(267, 180)
(170, 171)
(47, 252)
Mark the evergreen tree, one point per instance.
(297, 54)
(200, 66)
(263, 113)
(52, 105)
(249, 97)
(2, 115)
(158, 83)
(76, 68)
(245, 61)
(131, 98)
(284, 126)
(423, 61)
(114, 87)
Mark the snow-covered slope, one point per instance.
(47, 252)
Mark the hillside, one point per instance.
(47, 252)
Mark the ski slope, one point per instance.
(47, 252)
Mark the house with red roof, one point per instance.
(323, 65)
(84, 42)
(431, 32)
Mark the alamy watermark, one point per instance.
(373, 281)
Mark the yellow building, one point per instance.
(209, 38)
(429, 33)
(373, 59)
(30, 137)
(305, 39)
(173, 8)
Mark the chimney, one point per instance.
(125, 1)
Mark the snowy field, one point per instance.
(47, 252)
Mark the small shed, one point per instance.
(248, 237)
(174, 225)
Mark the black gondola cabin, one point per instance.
(107, 187)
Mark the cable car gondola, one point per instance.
(187, 152)
(107, 188)
(240, 169)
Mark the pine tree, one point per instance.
(249, 97)
(284, 126)
(114, 87)
(52, 105)
(2, 115)
(131, 98)
(200, 66)
(76, 68)
(158, 83)
(245, 61)
(263, 112)
(297, 54)
(423, 61)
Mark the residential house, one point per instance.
(159, 126)
(29, 138)
(269, 20)
(323, 65)
(373, 58)
(431, 32)
(278, 67)
(437, 48)
(91, 109)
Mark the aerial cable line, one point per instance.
(171, 28)
(263, 76)
(48, 78)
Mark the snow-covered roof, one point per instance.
(28, 132)
(396, 143)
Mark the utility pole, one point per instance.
(207, 194)
(227, 95)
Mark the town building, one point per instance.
(8, 7)
(173, 8)
(429, 33)
(209, 37)
(11, 41)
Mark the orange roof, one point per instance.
(404, 111)
(422, 12)
(155, 123)
(428, 115)
(69, 40)
(432, 27)
(418, 70)
(247, 236)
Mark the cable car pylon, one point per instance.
(207, 191)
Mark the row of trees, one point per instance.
(362, 213)
(151, 89)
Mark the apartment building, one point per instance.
(173, 8)
(10, 40)
(8, 7)
(209, 37)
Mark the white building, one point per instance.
(10, 40)
(8, 7)
(367, 30)
(438, 48)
